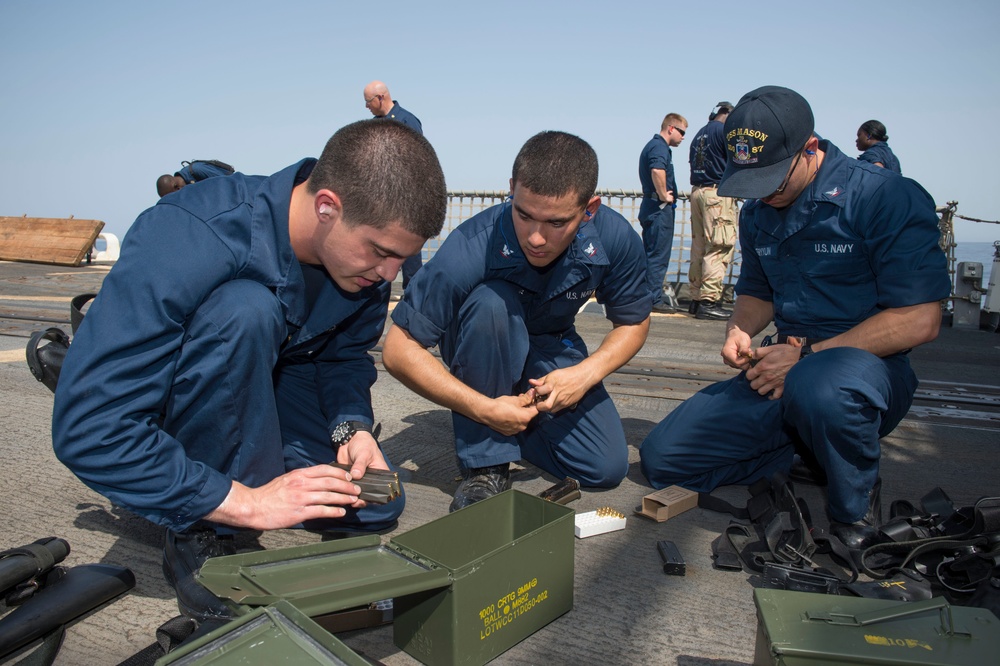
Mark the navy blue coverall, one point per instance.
(857, 241)
(199, 170)
(881, 153)
(656, 217)
(498, 322)
(211, 354)
(401, 115)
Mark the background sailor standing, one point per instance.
(656, 212)
(713, 218)
(873, 140)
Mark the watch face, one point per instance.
(344, 431)
(341, 434)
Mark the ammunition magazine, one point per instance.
(378, 486)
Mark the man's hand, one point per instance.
(321, 491)
(671, 198)
(750, 317)
(562, 389)
(409, 362)
(361, 452)
(511, 414)
(767, 376)
(736, 350)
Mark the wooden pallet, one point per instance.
(47, 240)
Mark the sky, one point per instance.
(97, 99)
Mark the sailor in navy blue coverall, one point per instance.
(499, 298)
(844, 258)
(873, 142)
(191, 172)
(230, 342)
(659, 200)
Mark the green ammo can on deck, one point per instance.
(277, 634)
(466, 587)
(807, 629)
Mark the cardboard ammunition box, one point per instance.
(466, 587)
(667, 503)
(807, 629)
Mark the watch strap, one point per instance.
(345, 430)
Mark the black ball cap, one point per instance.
(763, 133)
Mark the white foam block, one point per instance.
(592, 523)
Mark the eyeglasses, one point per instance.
(373, 98)
(788, 176)
(679, 130)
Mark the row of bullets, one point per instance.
(608, 512)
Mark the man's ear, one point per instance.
(328, 205)
(591, 208)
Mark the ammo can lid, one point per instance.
(320, 578)
(276, 634)
(809, 628)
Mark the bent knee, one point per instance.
(822, 379)
(602, 478)
(608, 471)
(244, 309)
(659, 469)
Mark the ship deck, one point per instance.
(625, 611)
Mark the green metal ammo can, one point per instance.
(466, 587)
(276, 634)
(807, 629)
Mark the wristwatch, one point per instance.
(344, 431)
(805, 351)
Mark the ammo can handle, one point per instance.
(892, 613)
(901, 610)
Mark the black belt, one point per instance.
(797, 339)
(801, 341)
(710, 186)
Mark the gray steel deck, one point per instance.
(626, 611)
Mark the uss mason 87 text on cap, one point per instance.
(763, 133)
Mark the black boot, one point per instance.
(183, 555)
(693, 307)
(712, 310)
(664, 308)
(865, 532)
(480, 483)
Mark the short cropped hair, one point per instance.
(165, 184)
(553, 164)
(384, 172)
(673, 120)
(875, 130)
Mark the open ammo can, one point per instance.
(808, 629)
(466, 587)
